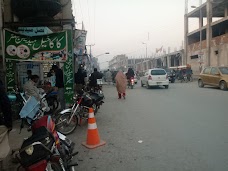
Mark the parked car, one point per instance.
(214, 76)
(155, 77)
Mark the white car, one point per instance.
(155, 77)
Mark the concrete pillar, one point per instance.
(226, 11)
(168, 61)
(226, 15)
(186, 38)
(201, 19)
(209, 31)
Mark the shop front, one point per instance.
(37, 54)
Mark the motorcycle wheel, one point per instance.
(53, 166)
(62, 125)
(186, 80)
(95, 108)
(72, 168)
(132, 86)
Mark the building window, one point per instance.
(194, 57)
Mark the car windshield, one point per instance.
(224, 70)
(158, 72)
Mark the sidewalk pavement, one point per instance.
(16, 139)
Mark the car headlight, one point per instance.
(29, 150)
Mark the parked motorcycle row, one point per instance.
(48, 148)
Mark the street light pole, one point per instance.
(146, 48)
(106, 53)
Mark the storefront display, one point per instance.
(38, 54)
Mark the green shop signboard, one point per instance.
(55, 47)
(68, 71)
(50, 47)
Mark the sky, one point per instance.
(120, 26)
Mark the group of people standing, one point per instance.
(120, 78)
(57, 82)
(80, 78)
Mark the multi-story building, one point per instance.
(173, 59)
(119, 62)
(142, 64)
(207, 45)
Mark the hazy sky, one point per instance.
(120, 26)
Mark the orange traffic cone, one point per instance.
(93, 138)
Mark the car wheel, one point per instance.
(200, 83)
(223, 85)
(141, 84)
(166, 86)
(147, 85)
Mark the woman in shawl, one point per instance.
(121, 84)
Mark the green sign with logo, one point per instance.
(50, 47)
(68, 71)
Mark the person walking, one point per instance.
(121, 84)
(108, 77)
(59, 84)
(5, 123)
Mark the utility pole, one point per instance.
(90, 54)
(90, 50)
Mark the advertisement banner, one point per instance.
(51, 47)
(80, 40)
(34, 31)
(69, 72)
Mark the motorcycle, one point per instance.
(52, 100)
(17, 100)
(183, 78)
(45, 149)
(97, 99)
(68, 119)
(131, 82)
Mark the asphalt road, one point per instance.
(183, 128)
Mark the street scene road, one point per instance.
(62, 62)
(183, 128)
